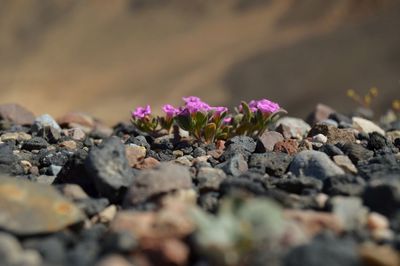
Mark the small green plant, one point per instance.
(208, 123)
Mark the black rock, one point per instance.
(236, 184)
(346, 185)
(383, 196)
(243, 145)
(92, 206)
(298, 184)
(108, 167)
(7, 158)
(356, 152)
(125, 129)
(272, 163)
(326, 251)
(74, 172)
(396, 143)
(377, 141)
(235, 165)
(331, 150)
(340, 118)
(162, 156)
(35, 143)
(381, 166)
(47, 158)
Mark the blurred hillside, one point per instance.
(105, 57)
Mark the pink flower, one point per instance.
(267, 107)
(141, 112)
(190, 99)
(227, 120)
(219, 110)
(194, 107)
(170, 111)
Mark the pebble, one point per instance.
(320, 113)
(18, 136)
(30, 208)
(16, 114)
(77, 118)
(292, 127)
(113, 260)
(320, 138)
(243, 145)
(267, 141)
(367, 126)
(345, 163)
(333, 134)
(46, 120)
(350, 211)
(315, 164)
(272, 163)
(289, 146)
(209, 178)
(162, 179)
(77, 134)
(69, 144)
(135, 154)
(234, 166)
(36, 143)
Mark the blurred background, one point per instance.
(105, 57)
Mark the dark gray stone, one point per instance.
(164, 178)
(36, 143)
(243, 145)
(108, 167)
(272, 163)
(324, 251)
(315, 164)
(298, 184)
(356, 152)
(234, 166)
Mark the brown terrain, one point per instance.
(106, 57)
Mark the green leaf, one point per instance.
(200, 120)
(185, 122)
(246, 111)
(209, 132)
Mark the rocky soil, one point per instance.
(320, 191)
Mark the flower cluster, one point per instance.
(209, 123)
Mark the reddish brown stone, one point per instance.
(267, 141)
(16, 114)
(289, 146)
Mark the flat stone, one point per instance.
(267, 141)
(18, 136)
(134, 154)
(16, 114)
(210, 178)
(320, 113)
(356, 152)
(345, 163)
(77, 118)
(272, 163)
(161, 179)
(30, 208)
(295, 127)
(320, 138)
(367, 126)
(109, 169)
(315, 164)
